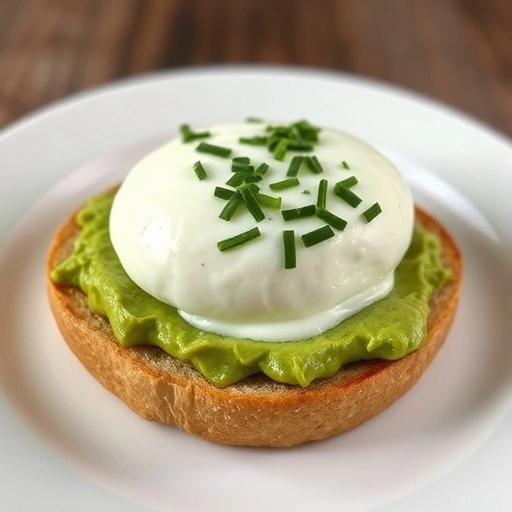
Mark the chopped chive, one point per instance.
(294, 132)
(185, 132)
(251, 202)
(240, 177)
(212, 149)
(322, 194)
(253, 187)
(307, 192)
(252, 177)
(298, 136)
(272, 143)
(240, 163)
(300, 146)
(187, 135)
(199, 170)
(254, 141)
(347, 195)
(313, 164)
(349, 182)
(299, 213)
(231, 206)
(300, 130)
(235, 241)
(290, 256)
(280, 150)
(200, 135)
(223, 193)
(372, 212)
(242, 167)
(317, 236)
(331, 219)
(345, 165)
(279, 130)
(287, 183)
(307, 130)
(294, 167)
(311, 135)
(236, 179)
(251, 119)
(261, 169)
(268, 201)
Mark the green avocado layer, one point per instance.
(388, 329)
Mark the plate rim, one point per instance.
(186, 72)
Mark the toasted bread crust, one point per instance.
(256, 411)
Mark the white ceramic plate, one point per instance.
(66, 444)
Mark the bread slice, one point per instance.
(256, 411)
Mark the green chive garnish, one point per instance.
(253, 187)
(236, 179)
(299, 213)
(307, 131)
(298, 131)
(268, 201)
(345, 165)
(372, 212)
(251, 119)
(252, 177)
(349, 182)
(307, 192)
(273, 142)
(322, 194)
(253, 141)
(212, 149)
(199, 170)
(313, 164)
(300, 146)
(317, 236)
(235, 241)
(331, 219)
(278, 130)
(347, 195)
(251, 202)
(294, 167)
(231, 206)
(187, 135)
(299, 136)
(287, 183)
(290, 257)
(261, 169)
(240, 163)
(246, 168)
(240, 177)
(223, 193)
(280, 149)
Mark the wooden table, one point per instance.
(458, 51)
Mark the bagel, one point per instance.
(256, 411)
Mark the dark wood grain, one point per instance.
(458, 51)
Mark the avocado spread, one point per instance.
(387, 329)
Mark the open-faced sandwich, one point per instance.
(256, 284)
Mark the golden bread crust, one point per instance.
(256, 411)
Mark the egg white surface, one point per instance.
(165, 227)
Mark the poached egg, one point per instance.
(165, 228)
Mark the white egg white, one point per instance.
(165, 227)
